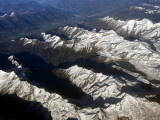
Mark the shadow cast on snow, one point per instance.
(14, 108)
(41, 75)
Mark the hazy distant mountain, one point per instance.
(27, 16)
(13, 1)
(149, 9)
(83, 7)
(89, 6)
(21, 7)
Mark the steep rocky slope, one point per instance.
(114, 97)
(140, 29)
(117, 96)
(144, 30)
(104, 46)
(11, 84)
(120, 77)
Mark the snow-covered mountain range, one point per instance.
(107, 68)
(125, 86)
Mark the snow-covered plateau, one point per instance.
(127, 87)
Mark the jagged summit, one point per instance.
(110, 71)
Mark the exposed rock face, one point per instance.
(14, 62)
(144, 30)
(110, 102)
(131, 94)
(104, 46)
(140, 29)
(11, 84)
(117, 95)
